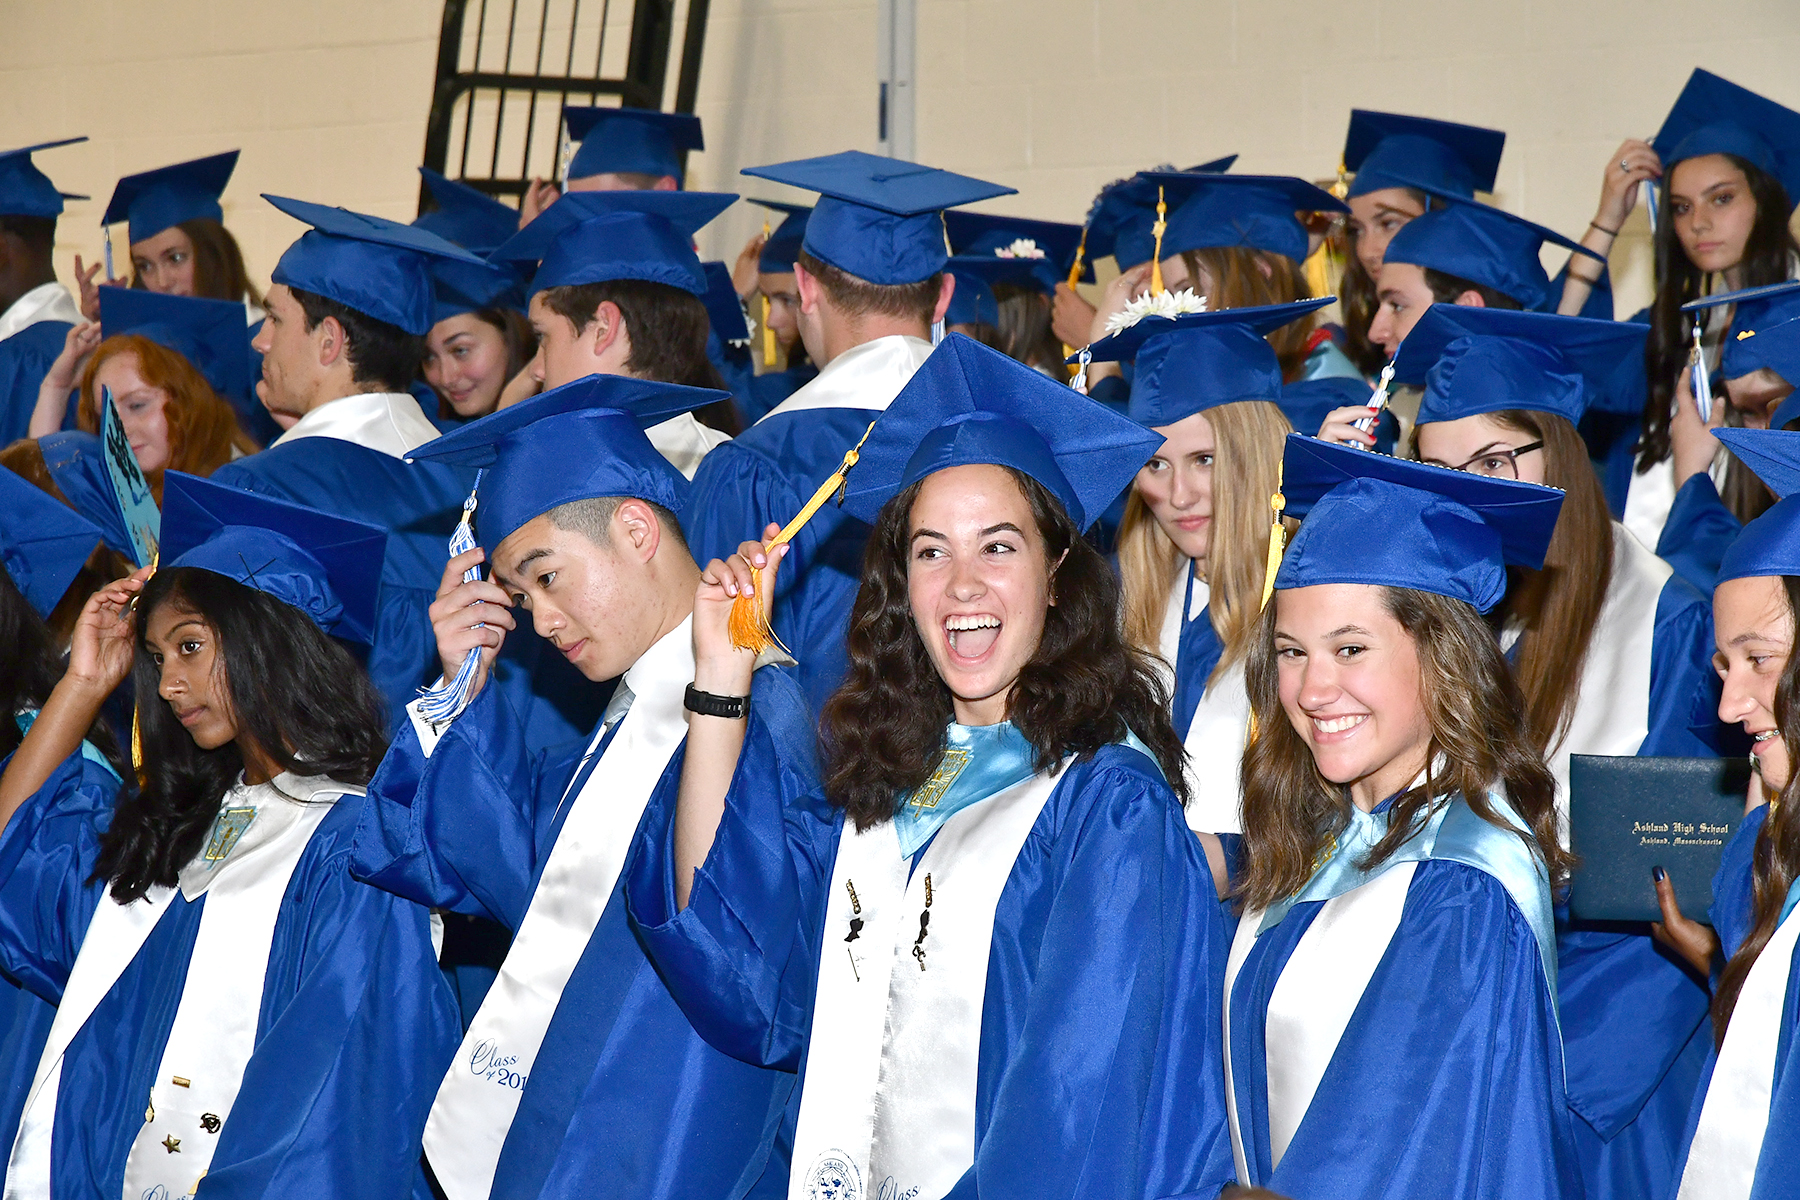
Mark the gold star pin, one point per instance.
(172, 1144)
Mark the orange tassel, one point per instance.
(748, 624)
(1162, 212)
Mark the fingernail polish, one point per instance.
(1657, 874)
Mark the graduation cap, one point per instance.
(1715, 116)
(878, 218)
(1388, 522)
(467, 216)
(26, 191)
(152, 201)
(77, 464)
(208, 333)
(378, 267)
(970, 405)
(1769, 545)
(597, 237)
(639, 141)
(1197, 361)
(43, 542)
(783, 247)
(1049, 246)
(1389, 150)
(328, 567)
(1305, 403)
(724, 311)
(973, 300)
(1254, 211)
(1485, 360)
(1765, 330)
(1485, 245)
(460, 287)
(575, 442)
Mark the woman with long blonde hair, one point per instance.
(1193, 545)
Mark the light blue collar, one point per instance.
(25, 718)
(1453, 833)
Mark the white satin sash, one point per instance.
(1721, 1163)
(867, 376)
(479, 1095)
(214, 1032)
(1312, 1003)
(1215, 754)
(888, 1104)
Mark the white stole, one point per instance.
(480, 1093)
(1215, 738)
(1312, 1003)
(1721, 1163)
(887, 1108)
(214, 1031)
(867, 376)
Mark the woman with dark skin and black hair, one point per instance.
(993, 920)
(284, 1038)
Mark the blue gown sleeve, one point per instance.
(1734, 897)
(1684, 688)
(334, 1101)
(47, 852)
(25, 358)
(1112, 1082)
(742, 959)
(1698, 532)
(458, 830)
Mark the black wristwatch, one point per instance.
(732, 708)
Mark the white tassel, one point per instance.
(1377, 402)
(1079, 383)
(937, 332)
(441, 705)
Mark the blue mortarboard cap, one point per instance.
(641, 141)
(782, 249)
(328, 567)
(26, 191)
(43, 542)
(467, 216)
(77, 464)
(460, 287)
(973, 300)
(1198, 361)
(1765, 330)
(1485, 245)
(1253, 211)
(1048, 245)
(724, 311)
(1119, 221)
(208, 333)
(1217, 166)
(378, 267)
(1715, 116)
(1485, 360)
(1305, 402)
(597, 237)
(575, 442)
(1769, 545)
(152, 201)
(1372, 519)
(1393, 150)
(971, 405)
(878, 218)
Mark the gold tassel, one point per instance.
(137, 737)
(749, 622)
(1277, 541)
(1074, 280)
(1162, 212)
(768, 334)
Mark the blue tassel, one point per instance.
(442, 705)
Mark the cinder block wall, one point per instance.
(327, 98)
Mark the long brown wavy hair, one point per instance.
(219, 272)
(1248, 436)
(203, 429)
(1559, 606)
(1024, 330)
(882, 731)
(1479, 735)
(1775, 859)
(1239, 281)
(1766, 257)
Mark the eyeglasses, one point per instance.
(1497, 462)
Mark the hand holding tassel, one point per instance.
(732, 592)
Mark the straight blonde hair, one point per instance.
(1247, 438)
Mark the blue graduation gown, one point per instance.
(78, 796)
(418, 504)
(356, 1024)
(1447, 1080)
(1100, 1062)
(625, 1099)
(25, 358)
(766, 474)
(763, 392)
(1698, 532)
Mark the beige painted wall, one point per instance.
(328, 98)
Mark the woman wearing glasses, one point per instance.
(1612, 651)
